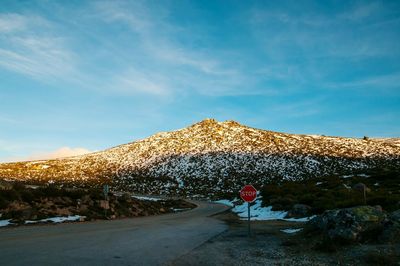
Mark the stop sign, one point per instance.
(248, 193)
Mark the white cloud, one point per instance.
(59, 153)
(389, 81)
(12, 23)
(134, 81)
(171, 67)
(31, 46)
(159, 61)
(360, 12)
(299, 109)
(42, 58)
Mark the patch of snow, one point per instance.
(312, 160)
(376, 184)
(146, 198)
(180, 182)
(291, 230)
(179, 210)
(57, 219)
(5, 223)
(259, 213)
(304, 219)
(346, 176)
(346, 186)
(319, 183)
(363, 175)
(225, 202)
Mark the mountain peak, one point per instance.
(213, 156)
(231, 123)
(211, 122)
(207, 122)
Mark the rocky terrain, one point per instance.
(20, 204)
(323, 241)
(211, 158)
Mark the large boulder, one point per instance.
(391, 229)
(350, 224)
(299, 210)
(395, 216)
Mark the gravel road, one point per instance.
(153, 240)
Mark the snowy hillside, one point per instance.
(210, 157)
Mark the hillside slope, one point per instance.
(211, 156)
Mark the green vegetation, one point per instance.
(378, 257)
(21, 202)
(19, 192)
(336, 192)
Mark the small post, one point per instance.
(248, 219)
(365, 196)
(106, 189)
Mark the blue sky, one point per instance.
(87, 75)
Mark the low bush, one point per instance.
(333, 192)
(382, 258)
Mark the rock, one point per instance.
(350, 224)
(104, 204)
(299, 210)
(361, 187)
(126, 197)
(83, 208)
(391, 231)
(87, 200)
(62, 212)
(395, 216)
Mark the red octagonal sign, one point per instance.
(248, 193)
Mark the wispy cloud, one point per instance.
(300, 108)
(31, 47)
(12, 22)
(183, 67)
(388, 81)
(40, 58)
(156, 34)
(133, 81)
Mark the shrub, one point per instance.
(381, 258)
(335, 192)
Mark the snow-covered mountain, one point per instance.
(211, 157)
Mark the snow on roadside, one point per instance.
(145, 198)
(225, 202)
(180, 210)
(56, 219)
(304, 219)
(346, 176)
(5, 222)
(291, 230)
(259, 213)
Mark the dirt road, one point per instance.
(155, 240)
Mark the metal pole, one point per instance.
(365, 197)
(248, 218)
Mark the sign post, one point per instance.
(106, 190)
(248, 193)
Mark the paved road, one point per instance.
(154, 240)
